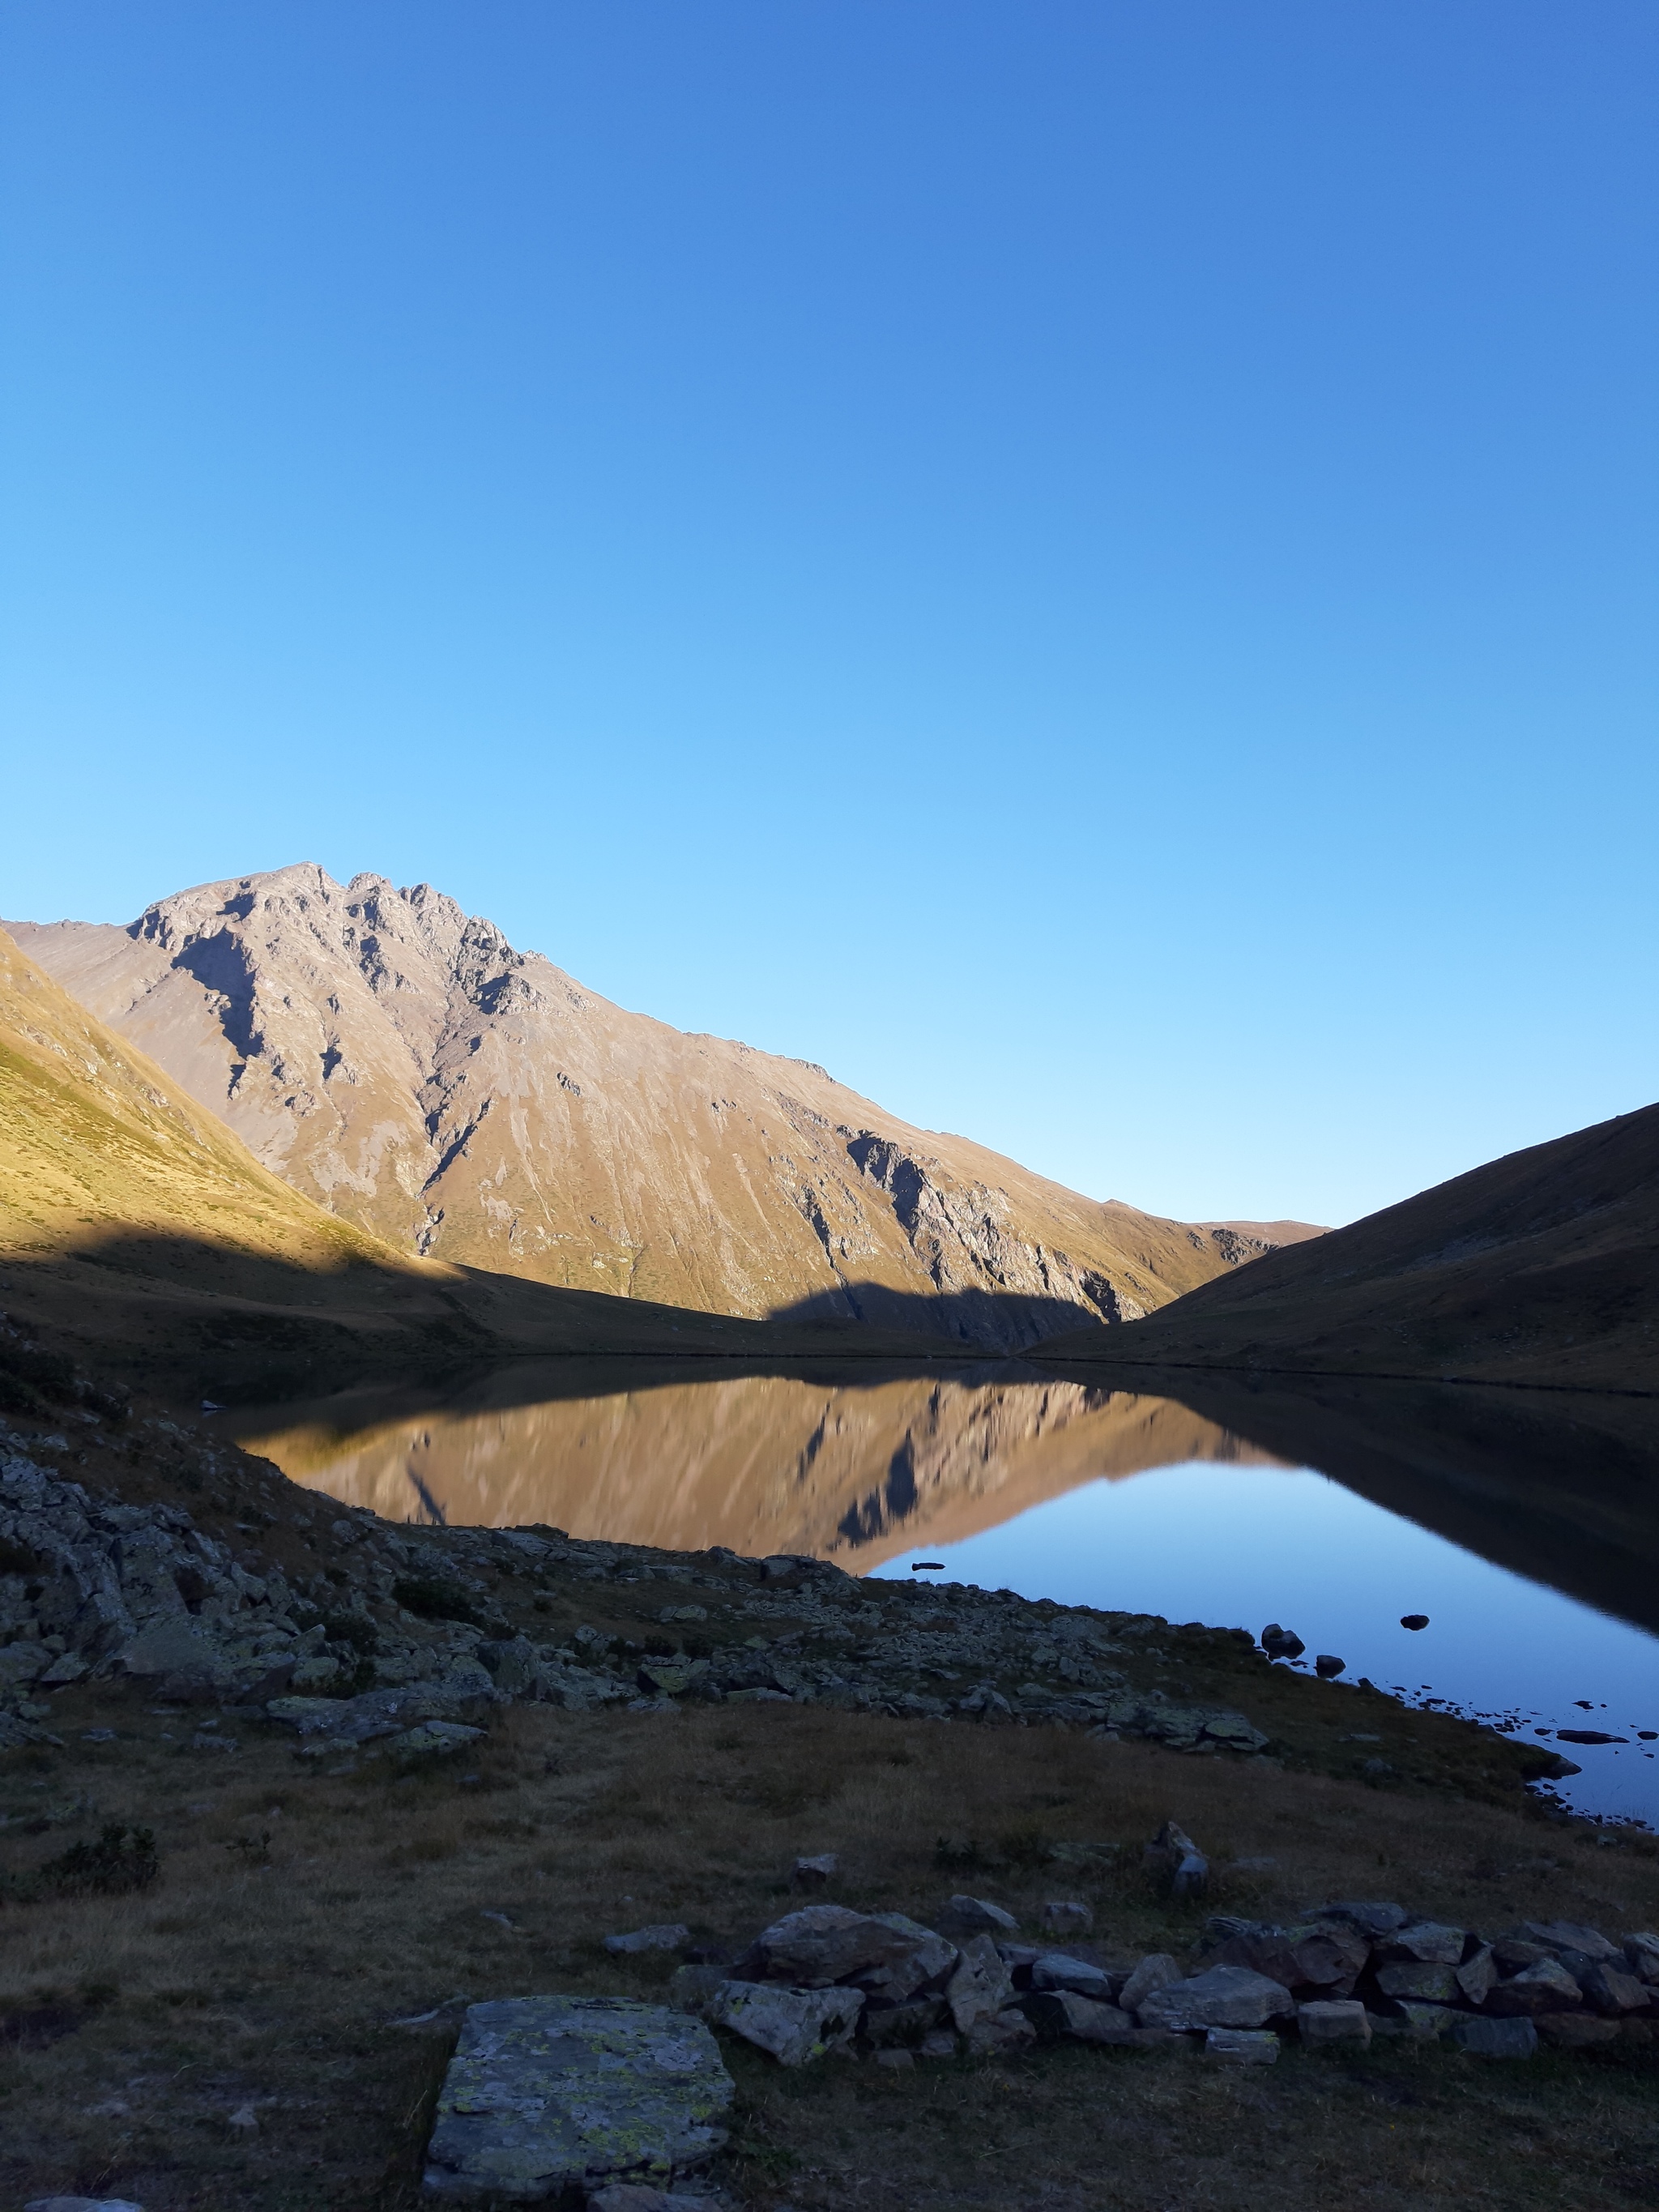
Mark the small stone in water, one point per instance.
(1414, 1621)
(1328, 1664)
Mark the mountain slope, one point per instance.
(1542, 1266)
(136, 1231)
(404, 1064)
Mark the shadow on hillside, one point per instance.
(999, 1321)
(190, 1318)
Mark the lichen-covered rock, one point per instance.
(796, 2026)
(549, 2093)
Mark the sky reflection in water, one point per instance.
(1239, 1547)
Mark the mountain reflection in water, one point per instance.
(849, 1470)
(1526, 1522)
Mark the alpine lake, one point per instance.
(1520, 1527)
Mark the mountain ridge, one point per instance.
(1541, 1267)
(402, 1063)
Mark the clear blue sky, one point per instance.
(1090, 567)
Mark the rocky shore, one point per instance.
(351, 1633)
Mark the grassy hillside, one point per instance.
(1542, 1266)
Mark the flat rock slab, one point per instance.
(549, 2093)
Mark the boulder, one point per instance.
(927, 1964)
(1483, 2038)
(1055, 1969)
(1429, 1941)
(974, 1915)
(1476, 1976)
(1612, 1992)
(1281, 1643)
(1559, 1935)
(664, 1935)
(1425, 1984)
(1055, 2013)
(1174, 1849)
(1546, 1987)
(824, 1943)
(1222, 1997)
(814, 1872)
(1066, 1917)
(981, 1987)
(1154, 1972)
(1242, 2046)
(512, 1665)
(1331, 2021)
(556, 2093)
(1323, 1956)
(1642, 1952)
(795, 2025)
(1327, 1666)
(1424, 2023)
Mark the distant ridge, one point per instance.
(1542, 1267)
(402, 1065)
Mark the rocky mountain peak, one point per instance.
(400, 1061)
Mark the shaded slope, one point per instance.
(1542, 1266)
(402, 1065)
(136, 1229)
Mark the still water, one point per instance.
(1525, 1534)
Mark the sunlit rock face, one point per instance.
(400, 1062)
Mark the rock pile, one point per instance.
(406, 1630)
(827, 1978)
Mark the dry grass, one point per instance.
(298, 1914)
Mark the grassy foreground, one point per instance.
(227, 2035)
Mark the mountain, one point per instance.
(1542, 1266)
(138, 1233)
(402, 1065)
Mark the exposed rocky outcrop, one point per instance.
(401, 1063)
